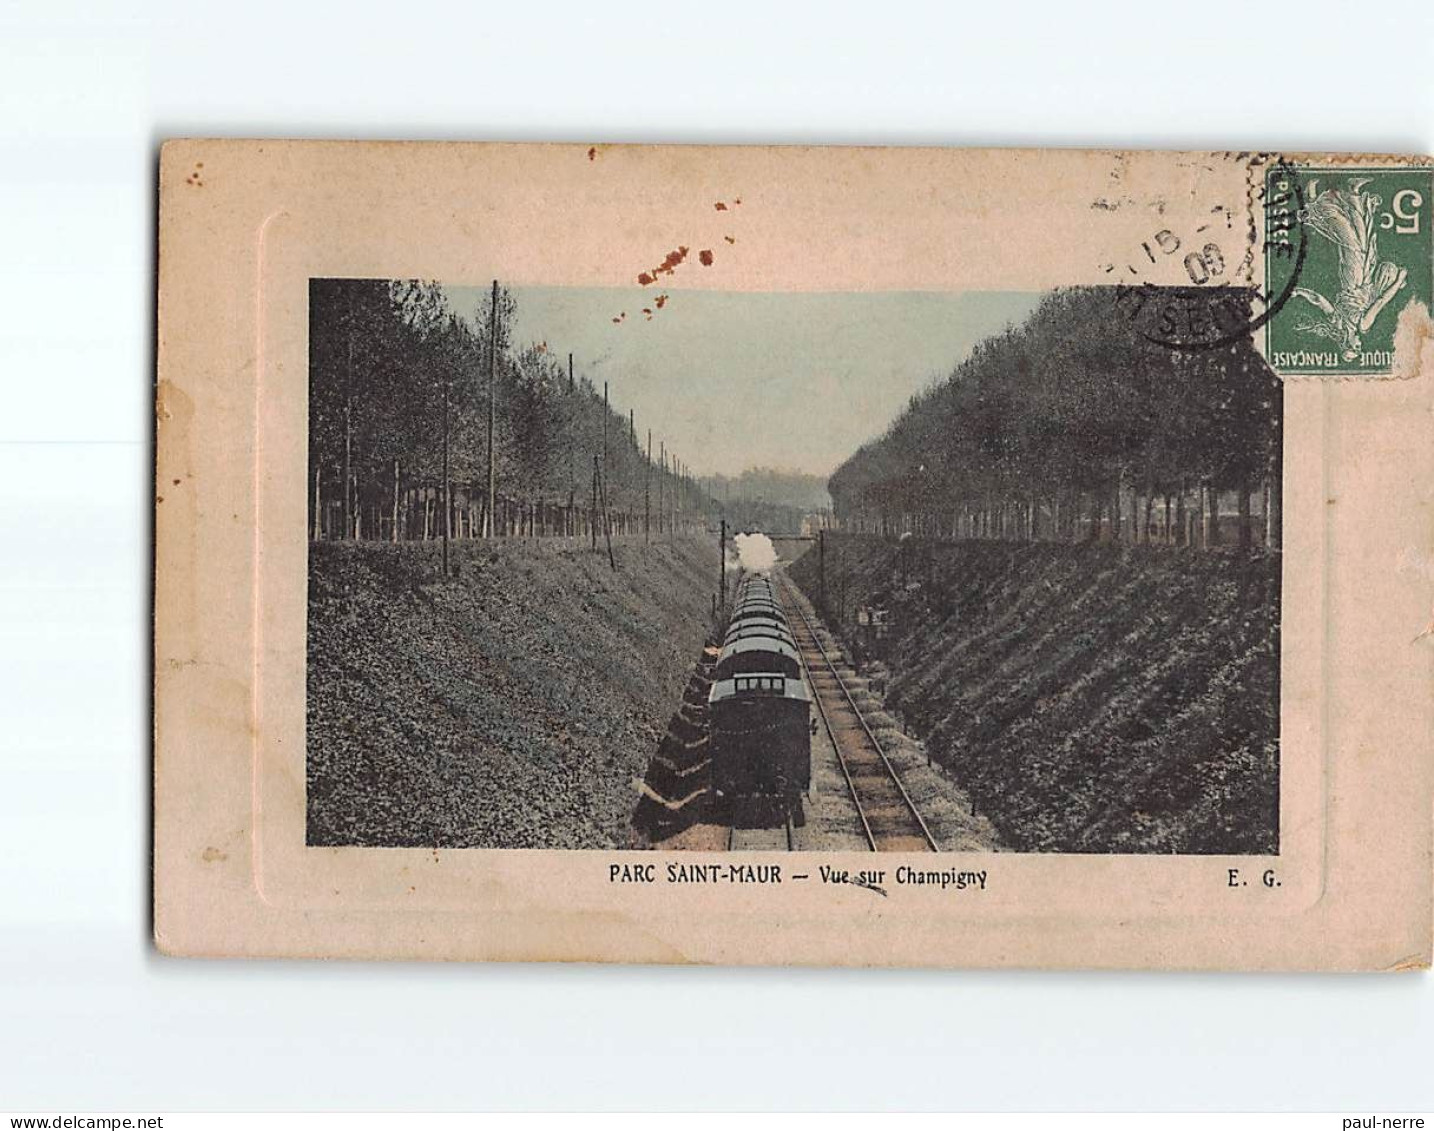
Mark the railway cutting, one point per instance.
(770, 750)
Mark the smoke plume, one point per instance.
(755, 552)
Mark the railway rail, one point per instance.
(761, 840)
(889, 818)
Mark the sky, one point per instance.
(731, 380)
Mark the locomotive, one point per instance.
(760, 709)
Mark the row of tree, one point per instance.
(1076, 426)
(427, 424)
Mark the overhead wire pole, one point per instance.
(607, 523)
(572, 444)
(488, 526)
(722, 565)
(348, 421)
(602, 475)
(593, 509)
(447, 490)
(647, 493)
(822, 569)
(602, 484)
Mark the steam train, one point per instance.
(760, 709)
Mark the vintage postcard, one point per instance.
(794, 555)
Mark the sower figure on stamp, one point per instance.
(1347, 219)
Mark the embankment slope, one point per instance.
(510, 706)
(1089, 698)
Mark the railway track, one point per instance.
(761, 840)
(889, 818)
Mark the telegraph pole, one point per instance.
(822, 568)
(647, 493)
(602, 475)
(722, 565)
(492, 408)
(572, 470)
(447, 502)
(606, 519)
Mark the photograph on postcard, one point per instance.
(894, 571)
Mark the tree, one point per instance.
(1073, 426)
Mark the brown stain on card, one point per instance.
(671, 262)
(675, 259)
(175, 565)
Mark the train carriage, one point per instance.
(760, 706)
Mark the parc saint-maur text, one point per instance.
(714, 873)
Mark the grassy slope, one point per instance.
(1089, 698)
(509, 707)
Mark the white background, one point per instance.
(91, 1018)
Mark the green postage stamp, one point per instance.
(1349, 249)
